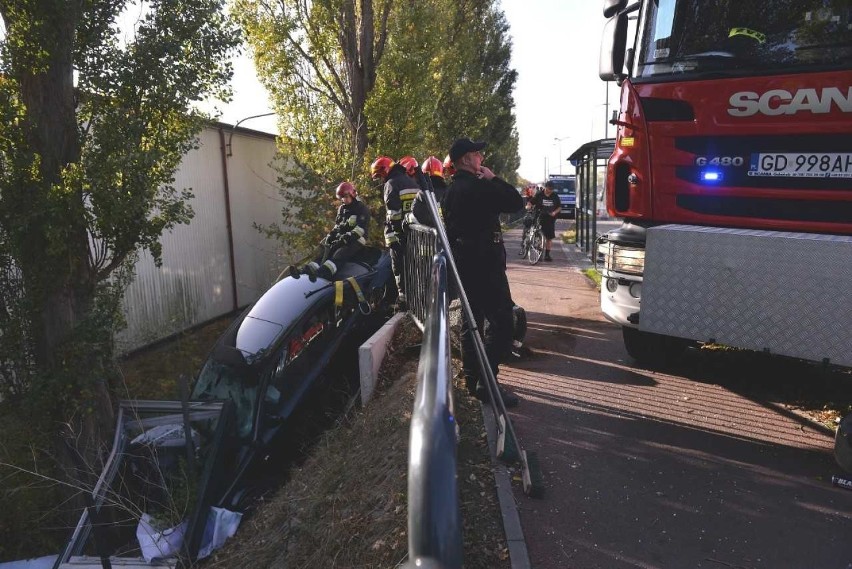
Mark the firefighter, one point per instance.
(432, 168)
(399, 192)
(449, 169)
(548, 205)
(471, 208)
(347, 238)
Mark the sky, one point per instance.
(559, 99)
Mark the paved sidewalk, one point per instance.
(503, 474)
(652, 470)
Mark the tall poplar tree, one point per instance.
(96, 117)
(316, 60)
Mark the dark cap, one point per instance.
(464, 145)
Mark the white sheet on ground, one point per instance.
(221, 524)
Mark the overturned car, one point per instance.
(178, 469)
(274, 353)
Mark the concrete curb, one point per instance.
(371, 354)
(518, 555)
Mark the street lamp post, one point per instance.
(233, 128)
(559, 143)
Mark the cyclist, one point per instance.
(548, 205)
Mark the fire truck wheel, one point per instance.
(652, 349)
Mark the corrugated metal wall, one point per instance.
(194, 283)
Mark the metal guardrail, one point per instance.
(421, 248)
(434, 514)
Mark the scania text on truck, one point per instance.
(732, 173)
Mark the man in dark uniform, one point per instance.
(399, 192)
(346, 239)
(549, 205)
(471, 208)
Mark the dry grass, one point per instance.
(346, 506)
(153, 373)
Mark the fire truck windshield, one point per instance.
(697, 39)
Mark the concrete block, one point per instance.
(371, 354)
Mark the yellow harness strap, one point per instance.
(357, 290)
(753, 34)
(338, 293)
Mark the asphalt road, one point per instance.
(703, 466)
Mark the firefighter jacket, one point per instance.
(351, 223)
(472, 207)
(420, 210)
(400, 191)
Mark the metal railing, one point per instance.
(434, 515)
(421, 248)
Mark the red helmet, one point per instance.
(345, 189)
(432, 167)
(409, 163)
(380, 167)
(449, 169)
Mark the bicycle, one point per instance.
(532, 241)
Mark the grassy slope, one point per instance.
(346, 505)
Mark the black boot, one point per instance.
(292, 271)
(547, 256)
(311, 270)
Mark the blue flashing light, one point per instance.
(711, 176)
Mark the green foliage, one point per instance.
(30, 521)
(446, 74)
(350, 80)
(317, 61)
(96, 118)
(594, 276)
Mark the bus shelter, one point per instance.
(590, 161)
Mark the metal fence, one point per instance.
(421, 248)
(434, 515)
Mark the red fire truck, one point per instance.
(732, 173)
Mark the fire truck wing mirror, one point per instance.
(613, 44)
(612, 7)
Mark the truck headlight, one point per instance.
(624, 259)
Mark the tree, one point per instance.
(318, 57)
(306, 56)
(319, 61)
(446, 74)
(95, 124)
